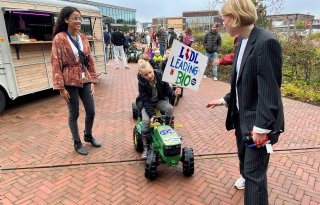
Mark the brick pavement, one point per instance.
(39, 165)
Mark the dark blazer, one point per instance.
(258, 85)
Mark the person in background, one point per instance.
(154, 37)
(157, 57)
(171, 36)
(227, 59)
(254, 102)
(187, 38)
(118, 40)
(212, 45)
(162, 39)
(74, 73)
(165, 59)
(148, 40)
(106, 37)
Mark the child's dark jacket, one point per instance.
(145, 93)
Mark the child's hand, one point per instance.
(177, 92)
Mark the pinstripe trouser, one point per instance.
(253, 163)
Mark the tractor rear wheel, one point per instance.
(137, 140)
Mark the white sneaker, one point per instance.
(215, 78)
(126, 67)
(204, 76)
(240, 183)
(117, 67)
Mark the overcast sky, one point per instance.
(148, 9)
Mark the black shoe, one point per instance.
(94, 142)
(79, 148)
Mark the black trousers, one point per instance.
(88, 102)
(253, 163)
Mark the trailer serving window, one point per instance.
(29, 26)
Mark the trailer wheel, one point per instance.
(2, 101)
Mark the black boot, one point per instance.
(89, 138)
(79, 147)
(145, 141)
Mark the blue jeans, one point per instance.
(213, 57)
(106, 48)
(162, 47)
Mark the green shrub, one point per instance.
(315, 36)
(300, 91)
(227, 43)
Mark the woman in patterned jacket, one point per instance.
(73, 73)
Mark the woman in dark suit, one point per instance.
(254, 102)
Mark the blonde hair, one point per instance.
(243, 10)
(157, 51)
(143, 65)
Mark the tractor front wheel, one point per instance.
(188, 161)
(150, 171)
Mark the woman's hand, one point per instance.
(92, 89)
(259, 139)
(65, 95)
(177, 92)
(214, 103)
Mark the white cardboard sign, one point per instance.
(185, 66)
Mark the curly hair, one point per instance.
(61, 25)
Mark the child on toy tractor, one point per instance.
(153, 93)
(133, 53)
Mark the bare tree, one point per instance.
(272, 6)
(211, 6)
(263, 7)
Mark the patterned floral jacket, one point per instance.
(66, 69)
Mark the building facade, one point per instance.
(178, 23)
(114, 16)
(202, 20)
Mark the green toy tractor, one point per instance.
(165, 147)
